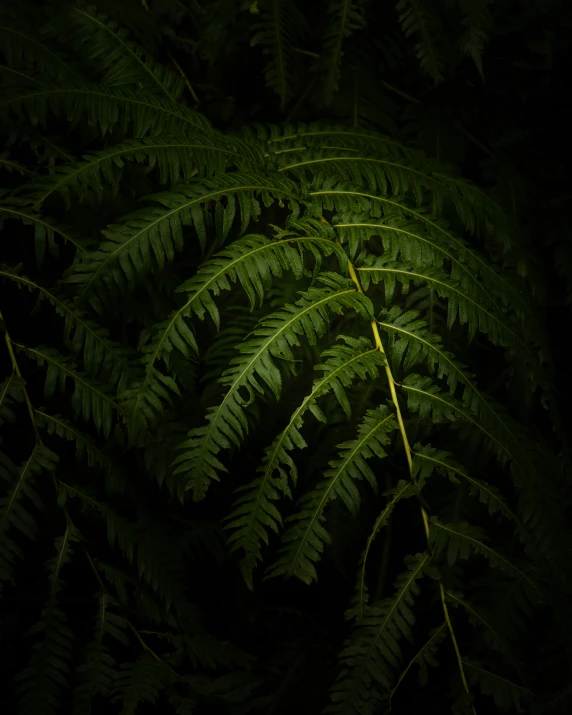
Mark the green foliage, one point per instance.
(241, 352)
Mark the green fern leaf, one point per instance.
(92, 399)
(104, 44)
(106, 107)
(344, 18)
(426, 459)
(252, 261)
(417, 18)
(461, 541)
(11, 392)
(372, 654)
(506, 694)
(425, 656)
(103, 358)
(139, 682)
(14, 513)
(174, 158)
(97, 671)
(45, 229)
(277, 29)
(272, 340)
(403, 490)
(40, 684)
(152, 235)
(461, 306)
(253, 512)
(24, 48)
(304, 540)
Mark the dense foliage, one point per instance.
(279, 405)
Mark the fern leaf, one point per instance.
(506, 694)
(97, 671)
(417, 18)
(152, 235)
(427, 234)
(11, 392)
(252, 261)
(40, 684)
(85, 446)
(45, 230)
(372, 654)
(478, 21)
(425, 656)
(14, 513)
(344, 18)
(102, 358)
(140, 682)
(92, 399)
(23, 48)
(426, 459)
(403, 490)
(461, 306)
(106, 45)
(254, 512)
(462, 540)
(106, 107)
(305, 537)
(480, 619)
(175, 159)
(277, 30)
(272, 340)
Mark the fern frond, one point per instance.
(140, 682)
(506, 694)
(421, 240)
(11, 391)
(414, 223)
(104, 44)
(175, 158)
(481, 620)
(85, 447)
(304, 540)
(14, 512)
(91, 398)
(426, 459)
(45, 229)
(273, 340)
(277, 30)
(478, 21)
(253, 261)
(103, 358)
(462, 540)
(344, 18)
(152, 235)
(97, 671)
(373, 653)
(425, 656)
(106, 107)
(461, 305)
(403, 490)
(40, 684)
(254, 512)
(24, 48)
(419, 19)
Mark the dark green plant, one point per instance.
(237, 332)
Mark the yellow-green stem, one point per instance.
(409, 455)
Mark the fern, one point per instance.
(275, 338)
(331, 340)
(305, 538)
(372, 654)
